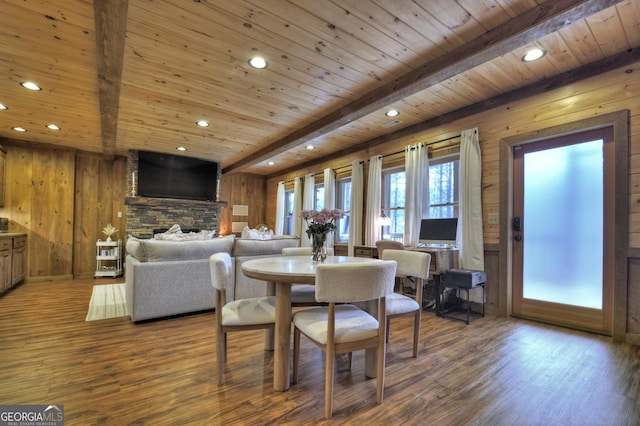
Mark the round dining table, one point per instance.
(281, 273)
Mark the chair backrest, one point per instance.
(383, 245)
(302, 251)
(354, 282)
(221, 268)
(410, 263)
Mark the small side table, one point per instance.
(462, 280)
(108, 258)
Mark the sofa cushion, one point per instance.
(161, 250)
(248, 247)
(135, 249)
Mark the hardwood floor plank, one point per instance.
(494, 371)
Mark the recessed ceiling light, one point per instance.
(392, 113)
(270, 163)
(30, 85)
(534, 54)
(202, 123)
(2, 107)
(19, 129)
(310, 147)
(52, 127)
(181, 148)
(258, 62)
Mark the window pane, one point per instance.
(319, 201)
(393, 205)
(288, 213)
(443, 189)
(343, 203)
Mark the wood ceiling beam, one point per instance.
(111, 27)
(515, 33)
(622, 59)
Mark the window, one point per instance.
(288, 212)
(343, 202)
(318, 202)
(444, 183)
(443, 194)
(393, 201)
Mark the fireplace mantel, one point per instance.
(165, 202)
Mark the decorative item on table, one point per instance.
(319, 224)
(109, 230)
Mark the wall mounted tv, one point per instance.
(174, 176)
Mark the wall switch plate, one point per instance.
(119, 214)
(493, 218)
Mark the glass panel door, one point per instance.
(559, 231)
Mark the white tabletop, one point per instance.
(295, 267)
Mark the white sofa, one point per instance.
(165, 278)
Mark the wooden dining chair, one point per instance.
(341, 327)
(303, 294)
(238, 315)
(412, 264)
(381, 246)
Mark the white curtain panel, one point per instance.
(470, 236)
(357, 199)
(308, 203)
(280, 206)
(297, 206)
(416, 164)
(329, 196)
(374, 201)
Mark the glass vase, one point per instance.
(318, 249)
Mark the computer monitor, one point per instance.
(438, 232)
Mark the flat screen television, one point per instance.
(438, 232)
(174, 176)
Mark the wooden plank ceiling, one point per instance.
(137, 74)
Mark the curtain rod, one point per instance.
(387, 155)
(315, 174)
(425, 144)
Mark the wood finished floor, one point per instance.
(491, 372)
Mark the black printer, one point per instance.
(464, 278)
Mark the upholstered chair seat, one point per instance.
(412, 264)
(342, 327)
(238, 315)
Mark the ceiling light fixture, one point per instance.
(270, 163)
(258, 62)
(533, 54)
(30, 85)
(392, 113)
(3, 107)
(19, 129)
(310, 147)
(181, 148)
(202, 123)
(52, 127)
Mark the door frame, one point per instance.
(620, 122)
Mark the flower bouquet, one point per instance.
(319, 224)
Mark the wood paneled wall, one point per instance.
(62, 200)
(609, 92)
(243, 189)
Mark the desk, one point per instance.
(280, 273)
